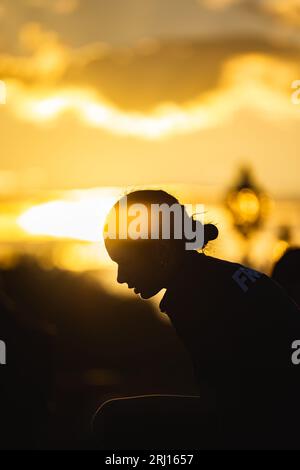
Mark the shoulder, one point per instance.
(208, 282)
(229, 279)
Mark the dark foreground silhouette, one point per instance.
(156, 422)
(71, 345)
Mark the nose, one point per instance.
(120, 277)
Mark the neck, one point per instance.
(178, 264)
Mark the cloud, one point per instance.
(254, 82)
(218, 4)
(176, 72)
(45, 57)
(168, 88)
(285, 10)
(60, 7)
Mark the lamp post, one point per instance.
(284, 237)
(248, 206)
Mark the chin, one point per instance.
(145, 295)
(148, 294)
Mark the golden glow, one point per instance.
(80, 256)
(49, 107)
(248, 205)
(167, 119)
(245, 205)
(81, 219)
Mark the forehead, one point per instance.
(123, 250)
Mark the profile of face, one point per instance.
(145, 262)
(142, 264)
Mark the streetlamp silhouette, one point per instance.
(248, 206)
(284, 238)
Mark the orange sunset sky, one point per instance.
(127, 92)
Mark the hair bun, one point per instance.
(210, 233)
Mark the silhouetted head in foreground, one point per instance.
(148, 233)
(287, 273)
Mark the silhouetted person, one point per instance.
(237, 324)
(287, 273)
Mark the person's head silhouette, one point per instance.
(149, 248)
(287, 272)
